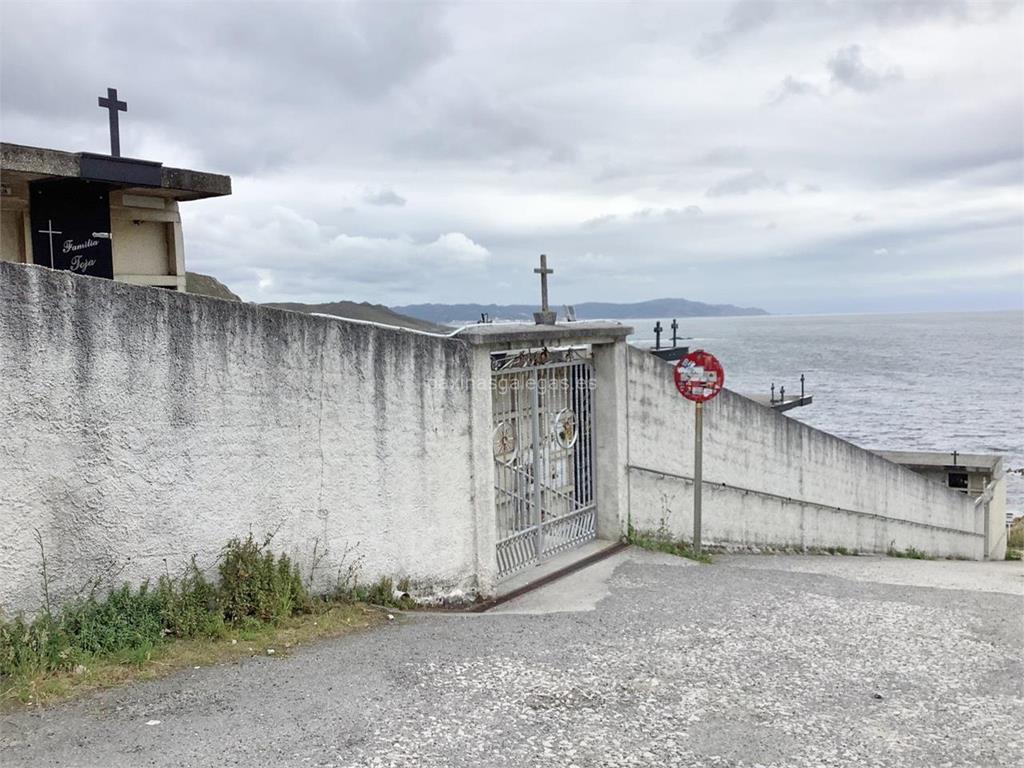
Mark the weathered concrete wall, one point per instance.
(772, 481)
(994, 507)
(140, 426)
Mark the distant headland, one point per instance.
(591, 310)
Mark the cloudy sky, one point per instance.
(803, 156)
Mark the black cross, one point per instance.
(675, 327)
(657, 335)
(955, 454)
(113, 106)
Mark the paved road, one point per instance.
(640, 660)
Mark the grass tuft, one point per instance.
(662, 542)
(131, 633)
(909, 552)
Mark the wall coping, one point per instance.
(518, 335)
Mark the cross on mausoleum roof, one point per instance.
(113, 106)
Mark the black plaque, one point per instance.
(123, 170)
(71, 226)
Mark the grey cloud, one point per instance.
(847, 68)
(498, 120)
(599, 221)
(914, 11)
(645, 214)
(251, 87)
(748, 16)
(384, 197)
(726, 156)
(743, 183)
(743, 18)
(477, 127)
(668, 213)
(793, 87)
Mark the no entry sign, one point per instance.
(699, 376)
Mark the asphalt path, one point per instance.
(641, 659)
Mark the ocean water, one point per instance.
(929, 382)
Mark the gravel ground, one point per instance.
(752, 661)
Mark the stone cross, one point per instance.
(113, 106)
(955, 454)
(675, 337)
(545, 316)
(657, 335)
(50, 231)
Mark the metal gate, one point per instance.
(543, 454)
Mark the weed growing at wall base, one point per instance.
(97, 639)
(909, 552)
(657, 542)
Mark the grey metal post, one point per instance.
(698, 450)
(535, 430)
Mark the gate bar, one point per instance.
(535, 429)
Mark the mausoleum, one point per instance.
(98, 215)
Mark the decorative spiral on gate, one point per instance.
(504, 438)
(566, 432)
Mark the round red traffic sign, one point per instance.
(699, 376)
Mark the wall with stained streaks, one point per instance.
(140, 427)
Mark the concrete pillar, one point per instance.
(484, 513)
(611, 439)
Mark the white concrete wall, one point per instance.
(994, 507)
(770, 480)
(140, 426)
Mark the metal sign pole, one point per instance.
(698, 377)
(698, 450)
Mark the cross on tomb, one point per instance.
(955, 454)
(113, 106)
(675, 327)
(543, 271)
(50, 231)
(657, 335)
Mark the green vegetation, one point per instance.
(836, 551)
(259, 605)
(1015, 540)
(909, 552)
(662, 542)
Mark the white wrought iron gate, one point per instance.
(543, 455)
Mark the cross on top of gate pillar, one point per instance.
(545, 316)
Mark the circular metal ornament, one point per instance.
(566, 432)
(699, 376)
(504, 437)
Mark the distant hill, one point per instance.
(205, 285)
(591, 310)
(374, 313)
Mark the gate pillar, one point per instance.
(611, 439)
(485, 533)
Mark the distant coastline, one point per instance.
(592, 310)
